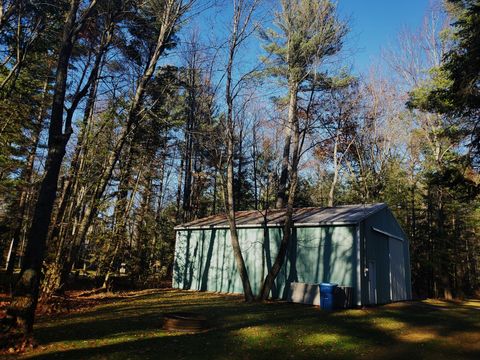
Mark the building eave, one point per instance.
(222, 223)
(275, 225)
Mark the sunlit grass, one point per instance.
(389, 324)
(131, 328)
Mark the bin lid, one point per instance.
(327, 287)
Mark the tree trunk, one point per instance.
(64, 222)
(124, 206)
(230, 190)
(179, 189)
(215, 192)
(331, 193)
(189, 139)
(26, 193)
(172, 14)
(237, 252)
(254, 158)
(292, 118)
(287, 228)
(25, 296)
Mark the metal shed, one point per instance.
(358, 246)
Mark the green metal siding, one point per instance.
(324, 254)
(340, 254)
(377, 249)
(204, 259)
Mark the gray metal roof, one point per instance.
(310, 216)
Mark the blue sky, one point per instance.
(375, 23)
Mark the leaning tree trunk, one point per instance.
(287, 228)
(25, 296)
(64, 224)
(237, 252)
(229, 187)
(292, 131)
(173, 12)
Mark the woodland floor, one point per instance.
(130, 327)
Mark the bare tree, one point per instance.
(241, 29)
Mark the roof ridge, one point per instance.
(303, 216)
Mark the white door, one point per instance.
(372, 283)
(398, 290)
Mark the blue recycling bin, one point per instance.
(326, 295)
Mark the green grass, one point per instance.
(131, 329)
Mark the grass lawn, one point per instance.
(130, 328)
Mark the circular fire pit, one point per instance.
(184, 321)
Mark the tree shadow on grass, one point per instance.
(447, 320)
(256, 331)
